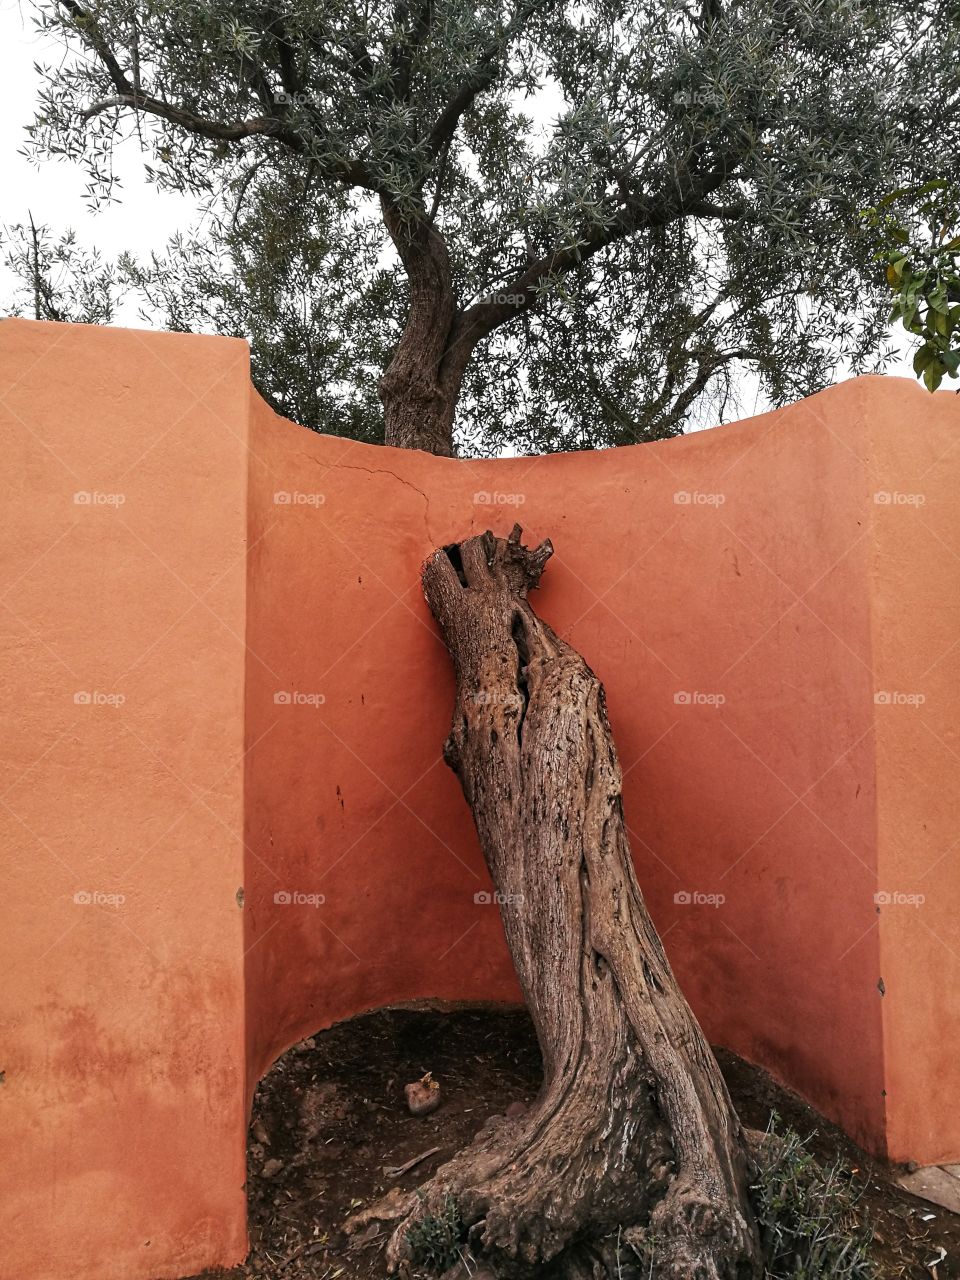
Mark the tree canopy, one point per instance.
(569, 224)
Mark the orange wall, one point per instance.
(915, 598)
(121, 1022)
(758, 595)
(296, 684)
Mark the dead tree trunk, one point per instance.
(632, 1160)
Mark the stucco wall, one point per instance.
(121, 941)
(754, 591)
(743, 595)
(914, 464)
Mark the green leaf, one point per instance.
(922, 359)
(938, 300)
(933, 375)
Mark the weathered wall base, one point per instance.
(228, 823)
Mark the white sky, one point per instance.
(53, 192)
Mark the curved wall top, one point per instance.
(275, 842)
(772, 607)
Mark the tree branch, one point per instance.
(225, 131)
(482, 76)
(631, 215)
(90, 31)
(289, 72)
(402, 60)
(340, 169)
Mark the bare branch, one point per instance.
(224, 131)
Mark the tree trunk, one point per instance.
(632, 1160)
(420, 386)
(417, 414)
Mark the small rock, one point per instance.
(260, 1132)
(271, 1168)
(423, 1096)
(306, 1045)
(516, 1110)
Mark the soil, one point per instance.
(330, 1122)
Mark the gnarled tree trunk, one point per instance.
(420, 386)
(632, 1160)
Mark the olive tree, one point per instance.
(692, 201)
(570, 221)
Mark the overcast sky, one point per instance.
(53, 192)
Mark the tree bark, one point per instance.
(420, 386)
(417, 412)
(632, 1161)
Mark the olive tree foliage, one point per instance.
(59, 279)
(529, 222)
